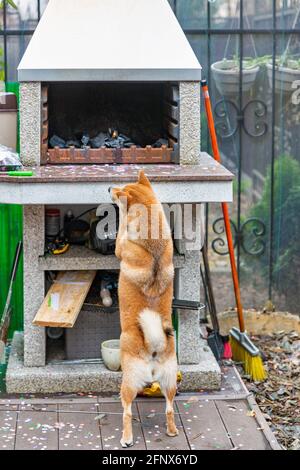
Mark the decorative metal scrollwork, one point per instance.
(250, 236)
(229, 118)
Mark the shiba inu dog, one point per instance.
(145, 248)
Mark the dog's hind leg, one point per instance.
(170, 393)
(128, 394)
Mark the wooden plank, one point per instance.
(203, 425)
(8, 420)
(111, 427)
(64, 299)
(152, 415)
(274, 444)
(54, 401)
(8, 406)
(243, 429)
(79, 431)
(37, 430)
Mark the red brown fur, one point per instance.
(145, 298)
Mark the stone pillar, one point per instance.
(189, 122)
(34, 284)
(188, 278)
(188, 288)
(30, 123)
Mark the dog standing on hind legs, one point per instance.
(145, 298)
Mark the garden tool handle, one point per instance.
(217, 157)
(15, 264)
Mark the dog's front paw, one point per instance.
(172, 432)
(128, 442)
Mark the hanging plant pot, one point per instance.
(226, 74)
(285, 76)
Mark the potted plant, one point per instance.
(287, 67)
(287, 71)
(226, 74)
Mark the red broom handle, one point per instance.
(217, 156)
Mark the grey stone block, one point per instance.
(34, 336)
(189, 227)
(189, 340)
(33, 236)
(188, 278)
(95, 377)
(30, 123)
(190, 141)
(34, 285)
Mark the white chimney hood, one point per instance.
(109, 40)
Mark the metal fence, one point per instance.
(250, 55)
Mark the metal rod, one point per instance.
(271, 235)
(16, 32)
(207, 133)
(240, 142)
(200, 31)
(5, 42)
(39, 9)
(239, 31)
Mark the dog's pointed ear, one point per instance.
(143, 179)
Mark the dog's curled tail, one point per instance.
(155, 334)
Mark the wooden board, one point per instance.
(64, 299)
(203, 425)
(79, 430)
(37, 430)
(111, 427)
(243, 428)
(152, 415)
(8, 421)
(69, 423)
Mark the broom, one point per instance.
(6, 316)
(243, 350)
(219, 344)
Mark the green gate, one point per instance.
(10, 234)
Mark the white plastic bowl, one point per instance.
(111, 355)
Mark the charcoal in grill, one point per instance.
(120, 141)
(73, 143)
(159, 143)
(99, 141)
(85, 140)
(56, 141)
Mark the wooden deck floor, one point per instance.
(228, 419)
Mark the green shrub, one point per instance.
(286, 219)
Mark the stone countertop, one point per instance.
(207, 170)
